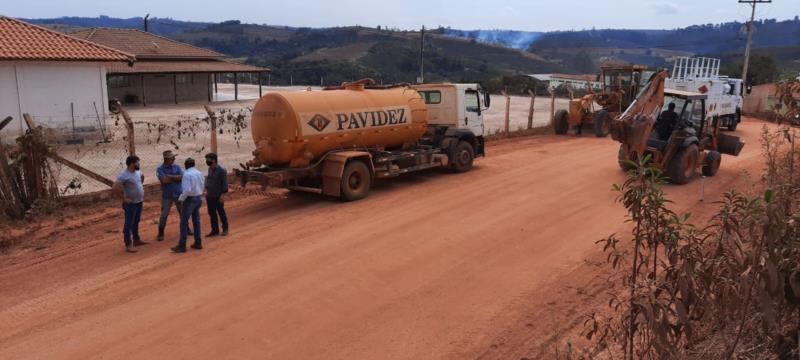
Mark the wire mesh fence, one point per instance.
(103, 152)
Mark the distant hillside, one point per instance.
(656, 47)
(519, 40)
(161, 26)
(309, 56)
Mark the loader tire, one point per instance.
(356, 181)
(713, 160)
(560, 122)
(463, 157)
(681, 168)
(623, 164)
(602, 123)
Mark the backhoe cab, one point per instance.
(621, 83)
(694, 142)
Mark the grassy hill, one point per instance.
(334, 55)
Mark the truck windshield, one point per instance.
(615, 80)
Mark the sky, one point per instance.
(530, 15)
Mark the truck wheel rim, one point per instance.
(464, 157)
(354, 181)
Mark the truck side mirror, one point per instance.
(749, 89)
(487, 99)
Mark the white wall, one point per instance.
(46, 89)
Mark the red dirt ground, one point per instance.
(496, 263)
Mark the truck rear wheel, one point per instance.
(713, 160)
(602, 123)
(463, 157)
(560, 122)
(356, 181)
(682, 166)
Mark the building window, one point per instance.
(119, 81)
(431, 97)
(184, 79)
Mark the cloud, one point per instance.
(664, 7)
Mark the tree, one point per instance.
(763, 70)
(583, 63)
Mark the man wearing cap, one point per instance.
(170, 175)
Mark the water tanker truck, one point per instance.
(338, 140)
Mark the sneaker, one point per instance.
(139, 242)
(225, 232)
(131, 249)
(178, 249)
(197, 246)
(212, 234)
(160, 237)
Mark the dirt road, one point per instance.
(429, 266)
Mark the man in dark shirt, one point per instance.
(666, 122)
(216, 188)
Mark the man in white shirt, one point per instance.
(192, 186)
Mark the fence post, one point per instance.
(129, 127)
(552, 105)
(508, 109)
(532, 93)
(212, 118)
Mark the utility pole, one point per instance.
(421, 78)
(145, 22)
(750, 35)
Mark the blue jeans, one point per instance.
(216, 208)
(133, 213)
(191, 207)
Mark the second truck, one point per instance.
(338, 140)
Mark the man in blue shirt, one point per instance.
(129, 186)
(170, 175)
(192, 185)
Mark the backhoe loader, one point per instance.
(692, 141)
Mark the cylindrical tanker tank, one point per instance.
(293, 129)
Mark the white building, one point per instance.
(572, 81)
(58, 79)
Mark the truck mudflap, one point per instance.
(730, 145)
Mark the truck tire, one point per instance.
(356, 181)
(621, 158)
(682, 166)
(602, 123)
(735, 119)
(463, 157)
(560, 122)
(713, 160)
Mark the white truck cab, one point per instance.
(701, 75)
(456, 111)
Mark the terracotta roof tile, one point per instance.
(22, 41)
(143, 44)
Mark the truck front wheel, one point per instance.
(463, 157)
(356, 181)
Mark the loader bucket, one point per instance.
(730, 145)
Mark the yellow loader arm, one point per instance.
(634, 126)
